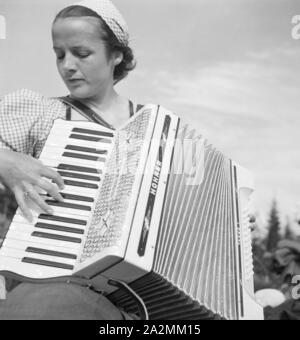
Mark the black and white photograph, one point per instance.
(149, 161)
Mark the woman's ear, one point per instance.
(118, 58)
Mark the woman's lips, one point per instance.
(74, 81)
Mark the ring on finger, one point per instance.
(26, 194)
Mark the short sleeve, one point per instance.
(26, 118)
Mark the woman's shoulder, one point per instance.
(23, 94)
(31, 103)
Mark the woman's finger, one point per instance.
(38, 200)
(54, 175)
(50, 189)
(21, 200)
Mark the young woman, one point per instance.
(90, 40)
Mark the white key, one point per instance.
(20, 218)
(70, 174)
(57, 211)
(72, 231)
(19, 254)
(60, 150)
(87, 205)
(65, 140)
(31, 270)
(17, 235)
(54, 163)
(76, 190)
(30, 229)
(66, 200)
(80, 214)
(72, 160)
(83, 200)
(82, 183)
(81, 191)
(23, 245)
(76, 213)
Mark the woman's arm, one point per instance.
(26, 119)
(25, 176)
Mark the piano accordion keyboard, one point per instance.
(49, 246)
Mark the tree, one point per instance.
(289, 234)
(273, 227)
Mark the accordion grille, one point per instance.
(106, 227)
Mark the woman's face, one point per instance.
(82, 58)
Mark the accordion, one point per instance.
(151, 204)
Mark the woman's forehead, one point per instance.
(76, 29)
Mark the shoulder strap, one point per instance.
(85, 111)
(131, 108)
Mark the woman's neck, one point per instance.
(102, 102)
(111, 106)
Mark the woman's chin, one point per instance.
(79, 93)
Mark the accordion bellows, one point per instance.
(197, 260)
(170, 220)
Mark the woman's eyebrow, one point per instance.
(80, 47)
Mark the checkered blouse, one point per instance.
(26, 119)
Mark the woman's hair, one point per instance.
(128, 62)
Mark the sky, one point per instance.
(230, 68)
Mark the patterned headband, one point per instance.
(110, 14)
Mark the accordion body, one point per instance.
(169, 217)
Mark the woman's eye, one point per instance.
(83, 55)
(60, 56)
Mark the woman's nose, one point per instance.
(69, 63)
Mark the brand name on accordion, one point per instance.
(155, 178)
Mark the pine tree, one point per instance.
(289, 234)
(273, 227)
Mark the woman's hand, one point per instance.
(25, 176)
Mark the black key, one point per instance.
(59, 228)
(75, 197)
(91, 139)
(92, 132)
(78, 168)
(56, 237)
(82, 156)
(68, 205)
(85, 149)
(62, 219)
(81, 184)
(47, 263)
(50, 253)
(79, 176)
